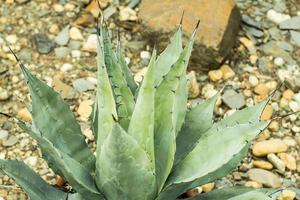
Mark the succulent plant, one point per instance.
(149, 143)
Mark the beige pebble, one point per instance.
(85, 109)
(269, 146)
(287, 195)
(75, 34)
(24, 115)
(54, 29)
(284, 102)
(227, 72)
(279, 164)
(58, 8)
(193, 85)
(274, 126)
(208, 187)
(288, 94)
(289, 160)
(262, 90)
(267, 113)
(247, 43)
(253, 58)
(253, 80)
(253, 184)
(215, 75)
(262, 164)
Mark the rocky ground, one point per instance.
(56, 40)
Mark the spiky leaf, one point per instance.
(142, 120)
(52, 115)
(126, 171)
(33, 184)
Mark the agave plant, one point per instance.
(149, 144)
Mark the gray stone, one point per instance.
(279, 164)
(43, 44)
(61, 52)
(63, 36)
(285, 46)
(265, 177)
(233, 99)
(12, 140)
(251, 22)
(255, 32)
(74, 45)
(291, 24)
(25, 54)
(295, 38)
(82, 85)
(3, 135)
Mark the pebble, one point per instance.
(262, 164)
(274, 126)
(75, 34)
(126, 13)
(85, 109)
(43, 43)
(3, 95)
(192, 84)
(66, 67)
(24, 115)
(233, 99)
(91, 43)
(12, 140)
(248, 44)
(145, 55)
(264, 177)
(253, 184)
(253, 80)
(278, 61)
(59, 181)
(3, 135)
(288, 94)
(291, 23)
(262, 90)
(267, 113)
(277, 17)
(289, 160)
(295, 38)
(75, 53)
(63, 36)
(287, 195)
(58, 8)
(269, 146)
(227, 72)
(11, 39)
(31, 160)
(193, 192)
(66, 91)
(61, 52)
(82, 85)
(54, 29)
(138, 77)
(279, 164)
(215, 75)
(208, 187)
(294, 106)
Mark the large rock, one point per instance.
(218, 27)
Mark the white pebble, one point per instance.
(277, 17)
(278, 61)
(294, 106)
(75, 53)
(145, 54)
(66, 67)
(12, 39)
(32, 160)
(253, 80)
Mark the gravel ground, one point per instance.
(47, 37)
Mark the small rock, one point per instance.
(89, 134)
(262, 164)
(233, 99)
(66, 91)
(269, 146)
(227, 72)
(294, 106)
(126, 13)
(66, 67)
(3, 135)
(12, 140)
(248, 44)
(278, 61)
(75, 53)
(11, 39)
(3, 95)
(277, 17)
(138, 77)
(54, 29)
(288, 94)
(289, 160)
(215, 75)
(32, 161)
(262, 90)
(75, 34)
(63, 36)
(58, 8)
(253, 184)
(145, 55)
(274, 126)
(253, 80)
(267, 113)
(253, 59)
(85, 109)
(24, 115)
(193, 85)
(287, 195)
(291, 23)
(25, 54)
(94, 9)
(208, 187)
(295, 38)
(193, 192)
(91, 43)
(43, 43)
(3, 194)
(279, 164)
(82, 85)
(61, 52)
(59, 181)
(265, 177)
